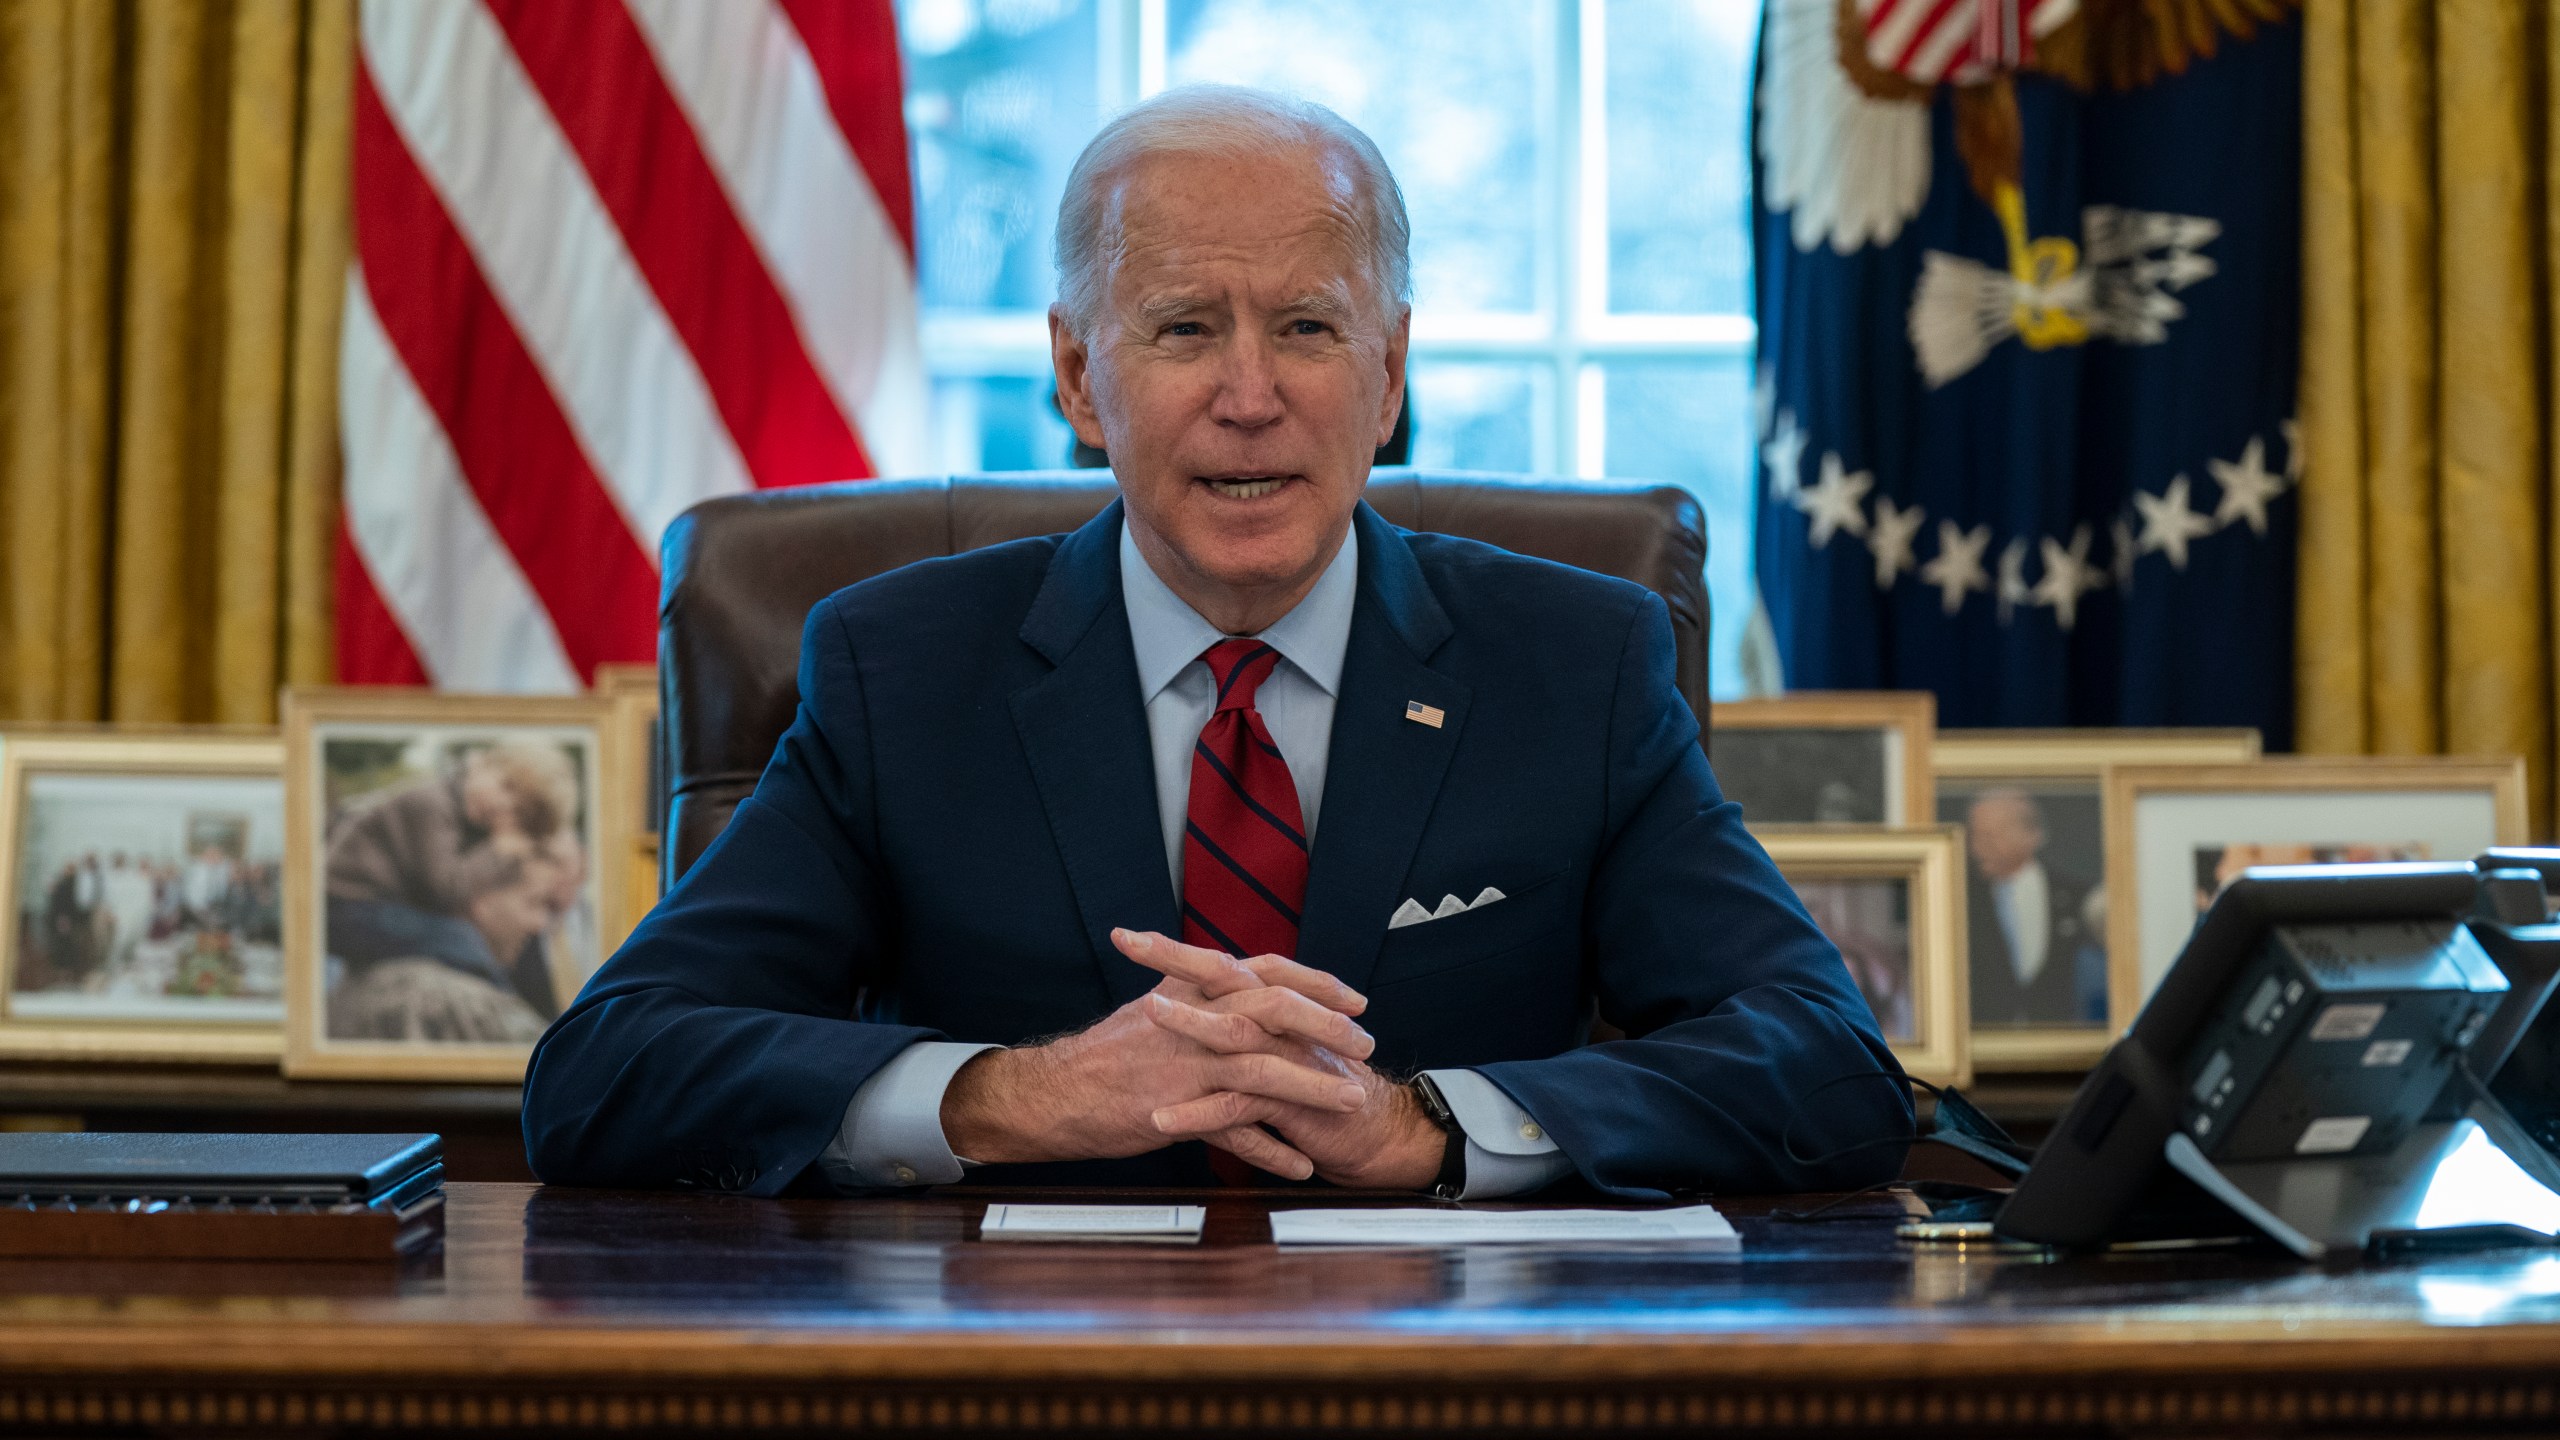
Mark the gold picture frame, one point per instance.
(631, 692)
(1904, 785)
(417, 729)
(1927, 861)
(2062, 773)
(2158, 816)
(242, 807)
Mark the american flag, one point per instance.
(1960, 40)
(610, 259)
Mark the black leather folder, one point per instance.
(303, 1170)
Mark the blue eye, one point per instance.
(1307, 327)
(1183, 327)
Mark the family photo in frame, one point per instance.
(2032, 804)
(466, 864)
(143, 877)
(1892, 901)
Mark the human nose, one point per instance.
(1248, 384)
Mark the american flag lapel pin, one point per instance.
(1421, 714)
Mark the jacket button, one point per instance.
(1529, 1130)
(906, 1173)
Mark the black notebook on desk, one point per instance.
(316, 1170)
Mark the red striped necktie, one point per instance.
(1244, 847)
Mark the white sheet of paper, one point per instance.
(1696, 1227)
(1093, 1222)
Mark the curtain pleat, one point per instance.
(172, 249)
(2427, 580)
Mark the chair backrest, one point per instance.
(742, 572)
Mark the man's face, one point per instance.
(2004, 830)
(1239, 371)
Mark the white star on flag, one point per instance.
(1834, 504)
(2246, 487)
(2168, 524)
(2068, 575)
(2013, 579)
(1957, 567)
(1783, 454)
(1891, 539)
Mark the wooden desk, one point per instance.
(566, 1310)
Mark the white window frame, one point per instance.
(1565, 343)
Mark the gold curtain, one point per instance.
(2427, 577)
(173, 248)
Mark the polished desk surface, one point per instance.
(570, 1309)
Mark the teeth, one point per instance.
(1245, 489)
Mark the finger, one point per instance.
(1286, 1012)
(1315, 984)
(1215, 972)
(1257, 1148)
(1282, 1079)
(1223, 1033)
(1211, 1115)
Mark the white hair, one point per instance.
(1227, 121)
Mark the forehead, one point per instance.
(1286, 217)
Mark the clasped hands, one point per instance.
(1259, 1057)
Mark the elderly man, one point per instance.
(1237, 816)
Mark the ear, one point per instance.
(1075, 380)
(1391, 404)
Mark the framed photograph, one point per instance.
(1893, 901)
(454, 880)
(1828, 757)
(2033, 806)
(143, 880)
(2178, 833)
(631, 694)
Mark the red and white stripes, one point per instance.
(1964, 41)
(611, 259)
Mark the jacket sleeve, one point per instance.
(718, 1047)
(1737, 1009)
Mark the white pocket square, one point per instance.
(1412, 913)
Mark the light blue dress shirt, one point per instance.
(892, 1132)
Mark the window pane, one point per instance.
(1688, 422)
(1679, 158)
(1473, 416)
(1000, 97)
(997, 423)
(1449, 92)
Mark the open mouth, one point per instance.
(1245, 487)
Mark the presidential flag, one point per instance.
(2027, 289)
(612, 257)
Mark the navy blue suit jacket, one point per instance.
(964, 807)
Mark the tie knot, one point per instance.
(1239, 667)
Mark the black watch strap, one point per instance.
(1451, 1182)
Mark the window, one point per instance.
(1579, 182)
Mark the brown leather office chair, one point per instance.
(741, 574)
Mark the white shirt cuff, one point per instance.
(892, 1132)
(1508, 1151)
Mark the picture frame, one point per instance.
(2041, 798)
(1856, 757)
(142, 877)
(631, 692)
(1839, 873)
(2164, 822)
(454, 879)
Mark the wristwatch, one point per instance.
(1451, 1182)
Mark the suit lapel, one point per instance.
(1085, 734)
(1385, 771)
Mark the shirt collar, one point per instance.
(1168, 634)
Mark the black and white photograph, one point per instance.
(1841, 758)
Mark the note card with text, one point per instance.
(1178, 1224)
(1694, 1227)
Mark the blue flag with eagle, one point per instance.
(2027, 286)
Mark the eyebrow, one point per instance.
(1162, 308)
